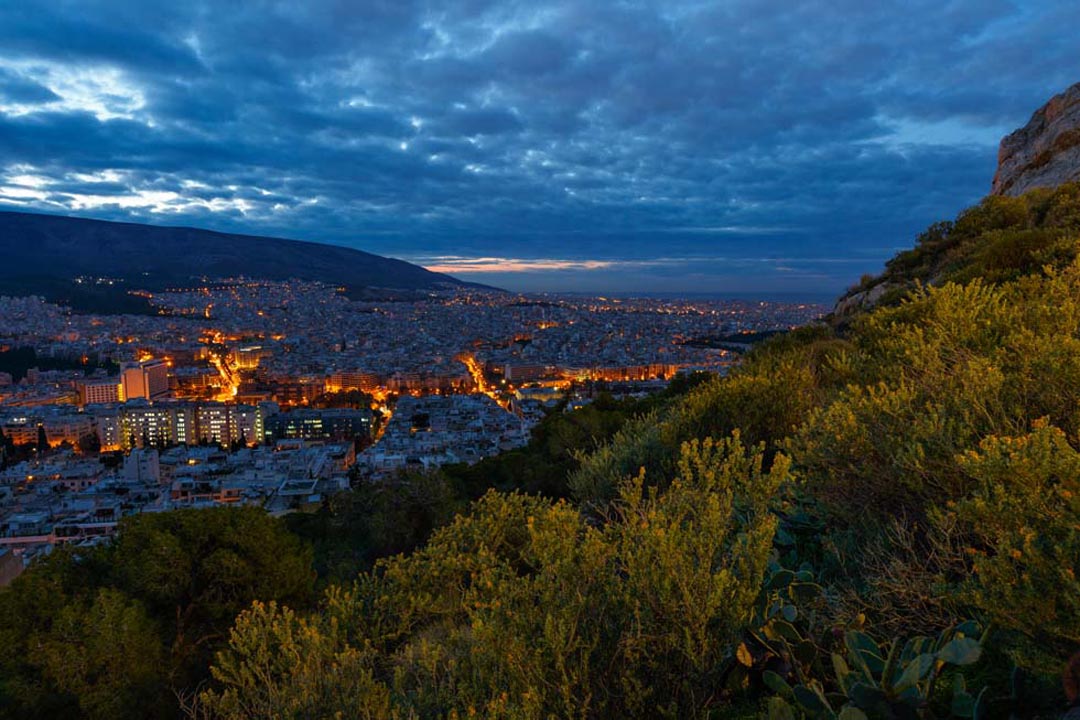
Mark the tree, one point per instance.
(199, 568)
(42, 439)
(353, 529)
(108, 656)
(117, 630)
(89, 444)
(7, 447)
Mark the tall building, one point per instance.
(246, 424)
(110, 430)
(148, 379)
(213, 423)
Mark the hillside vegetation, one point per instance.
(881, 520)
(1000, 239)
(879, 523)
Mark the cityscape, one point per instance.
(281, 393)
(399, 360)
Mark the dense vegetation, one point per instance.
(120, 630)
(880, 520)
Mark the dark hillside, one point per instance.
(45, 253)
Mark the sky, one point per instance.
(743, 148)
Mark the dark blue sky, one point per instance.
(728, 147)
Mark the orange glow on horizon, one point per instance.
(465, 266)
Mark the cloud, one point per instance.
(611, 133)
(16, 89)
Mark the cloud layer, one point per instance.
(770, 146)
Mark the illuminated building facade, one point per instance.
(146, 424)
(226, 424)
(148, 379)
(99, 390)
(140, 424)
(352, 380)
(59, 428)
(248, 358)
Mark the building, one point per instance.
(59, 426)
(226, 424)
(543, 393)
(144, 423)
(66, 427)
(140, 424)
(99, 390)
(352, 380)
(297, 393)
(143, 465)
(248, 358)
(148, 379)
(246, 424)
(194, 380)
(526, 373)
(109, 428)
(21, 430)
(213, 424)
(330, 424)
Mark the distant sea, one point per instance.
(796, 298)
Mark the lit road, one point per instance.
(477, 373)
(231, 385)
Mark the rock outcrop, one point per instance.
(859, 300)
(1046, 151)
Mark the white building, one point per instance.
(143, 465)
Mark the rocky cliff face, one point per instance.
(1046, 151)
(1043, 153)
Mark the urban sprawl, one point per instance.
(281, 393)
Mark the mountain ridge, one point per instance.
(47, 252)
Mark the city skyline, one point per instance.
(731, 149)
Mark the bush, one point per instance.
(523, 609)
